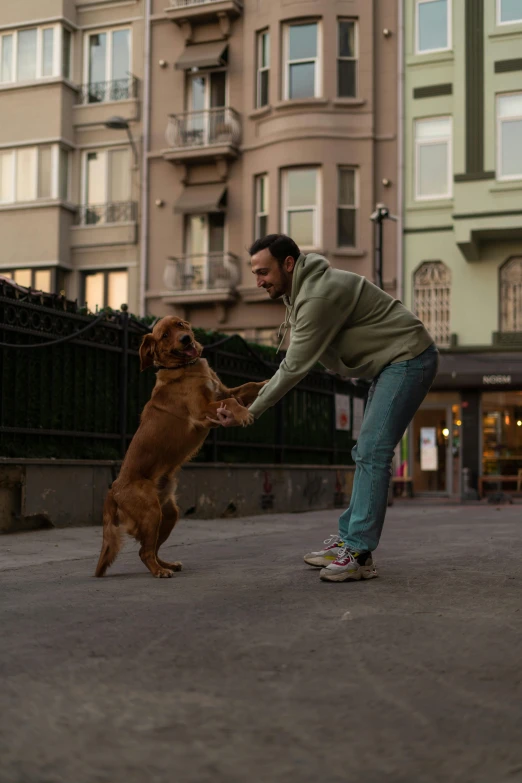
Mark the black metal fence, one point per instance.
(82, 397)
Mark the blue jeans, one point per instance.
(393, 400)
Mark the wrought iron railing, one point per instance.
(116, 90)
(81, 398)
(201, 128)
(114, 212)
(202, 272)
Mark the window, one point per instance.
(261, 221)
(30, 173)
(346, 207)
(108, 66)
(347, 60)
(511, 296)
(300, 206)
(433, 164)
(263, 68)
(204, 250)
(107, 186)
(509, 11)
(509, 133)
(301, 75)
(35, 53)
(38, 279)
(431, 299)
(433, 27)
(107, 288)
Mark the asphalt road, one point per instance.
(245, 667)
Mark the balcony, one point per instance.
(105, 224)
(203, 11)
(203, 135)
(103, 92)
(201, 278)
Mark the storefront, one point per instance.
(466, 439)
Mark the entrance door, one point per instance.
(432, 450)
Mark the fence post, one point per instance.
(280, 431)
(124, 378)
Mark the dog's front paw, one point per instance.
(245, 419)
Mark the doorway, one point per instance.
(435, 449)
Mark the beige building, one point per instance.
(248, 117)
(69, 185)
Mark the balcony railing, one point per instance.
(203, 128)
(114, 212)
(202, 272)
(116, 90)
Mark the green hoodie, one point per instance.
(343, 321)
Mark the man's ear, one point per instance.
(289, 263)
(148, 344)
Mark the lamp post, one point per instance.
(120, 123)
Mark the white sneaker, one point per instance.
(324, 557)
(349, 566)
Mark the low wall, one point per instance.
(68, 493)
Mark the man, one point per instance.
(356, 330)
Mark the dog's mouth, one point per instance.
(190, 352)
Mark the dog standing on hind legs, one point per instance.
(173, 426)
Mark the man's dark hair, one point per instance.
(279, 245)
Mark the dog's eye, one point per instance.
(164, 336)
(180, 325)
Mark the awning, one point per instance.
(204, 55)
(201, 198)
(485, 371)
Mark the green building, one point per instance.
(462, 244)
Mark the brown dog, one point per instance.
(173, 426)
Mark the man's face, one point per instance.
(270, 275)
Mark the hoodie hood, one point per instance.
(306, 267)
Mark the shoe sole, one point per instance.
(354, 576)
(319, 562)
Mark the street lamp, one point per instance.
(381, 214)
(120, 123)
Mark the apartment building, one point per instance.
(71, 81)
(266, 116)
(463, 237)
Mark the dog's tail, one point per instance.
(111, 535)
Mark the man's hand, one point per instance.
(225, 417)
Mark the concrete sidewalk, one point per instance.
(245, 668)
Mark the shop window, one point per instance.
(511, 296)
(431, 299)
(502, 437)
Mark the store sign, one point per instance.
(342, 412)
(429, 458)
(492, 380)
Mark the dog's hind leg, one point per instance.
(169, 517)
(140, 513)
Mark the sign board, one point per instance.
(358, 412)
(342, 412)
(429, 458)
(490, 380)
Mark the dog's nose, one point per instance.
(185, 340)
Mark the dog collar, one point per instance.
(187, 364)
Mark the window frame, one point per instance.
(499, 121)
(85, 273)
(56, 58)
(317, 60)
(258, 213)
(10, 273)
(430, 142)
(317, 208)
(354, 207)
(262, 68)
(107, 172)
(449, 31)
(109, 30)
(354, 59)
(500, 23)
(430, 323)
(55, 173)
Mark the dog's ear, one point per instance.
(148, 344)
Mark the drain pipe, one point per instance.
(400, 151)
(144, 243)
